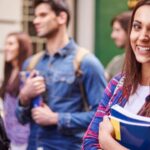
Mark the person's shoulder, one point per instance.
(116, 79)
(118, 76)
(117, 59)
(90, 59)
(113, 85)
(92, 63)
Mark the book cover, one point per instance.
(119, 112)
(131, 131)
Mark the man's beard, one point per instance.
(50, 34)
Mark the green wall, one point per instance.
(105, 10)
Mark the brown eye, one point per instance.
(136, 26)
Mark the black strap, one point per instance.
(83, 95)
(4, 141)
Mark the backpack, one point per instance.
(4, 141)
(80, 54)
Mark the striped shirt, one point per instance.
(112, 95)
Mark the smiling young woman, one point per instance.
(130, 89)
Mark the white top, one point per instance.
(136, 101)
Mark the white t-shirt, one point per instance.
(136, 101)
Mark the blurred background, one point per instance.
(90, 24)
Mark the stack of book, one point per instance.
(131, 130)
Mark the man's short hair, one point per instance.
(57, 6)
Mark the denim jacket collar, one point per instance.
(66, 50)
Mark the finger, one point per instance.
(35, 111)
(105, 119)
(39, 79)
(101, 124)
(36, 119)
(43, 104)
(46, 107)
(39, 91)
(38, 84)
(33, 73)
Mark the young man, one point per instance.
(119, 32)
(59, 123)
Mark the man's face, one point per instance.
(45, 21)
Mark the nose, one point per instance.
(35, 20)
(112, 35)
(144, 35)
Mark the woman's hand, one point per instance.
(105, 131)
(106, 136)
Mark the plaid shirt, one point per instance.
(112, 94)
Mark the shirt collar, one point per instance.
(67, 49)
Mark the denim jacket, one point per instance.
(63, 95)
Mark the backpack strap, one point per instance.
(34, 60)
(81, 53)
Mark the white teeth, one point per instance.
(144, 48)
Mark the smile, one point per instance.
(141, 48)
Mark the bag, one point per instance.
(4, 141)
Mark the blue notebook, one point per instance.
(131, 130)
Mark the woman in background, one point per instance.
(133, 84)
(17, 48)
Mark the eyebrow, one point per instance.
(136, 21)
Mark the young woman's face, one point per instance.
(11, 49)
(119, 35)
(140, 34)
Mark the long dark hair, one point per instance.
(132, 68)
(25, 50)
